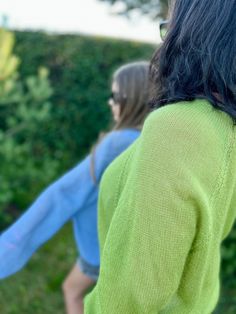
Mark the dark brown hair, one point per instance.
(198, 56)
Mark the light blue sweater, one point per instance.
(74, 196)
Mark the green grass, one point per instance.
(37, 288)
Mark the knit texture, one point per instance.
(165, 206)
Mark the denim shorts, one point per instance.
(89, 270)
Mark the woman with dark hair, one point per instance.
(74, 196)
(162, 224)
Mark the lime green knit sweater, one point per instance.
(166, 204)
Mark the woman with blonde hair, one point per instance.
(74, 196)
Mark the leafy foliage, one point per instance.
(43, 133)
(80, 72)
(229, 259)
(38, 141)
(152, 8)
(24, 107)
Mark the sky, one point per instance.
(77, 16)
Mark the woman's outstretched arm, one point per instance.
(52, 209)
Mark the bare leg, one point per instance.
(74, 287)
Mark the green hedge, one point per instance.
(80, 72)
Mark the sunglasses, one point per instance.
(114, 97)
(163, 26)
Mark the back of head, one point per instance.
(133, 84)
(198, 56)
(132, 80)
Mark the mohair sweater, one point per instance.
(72, 197)
(165, 206)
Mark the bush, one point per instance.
(229, 260)
(52, 138)
(24, 107)
(39, 141)
(80, 71)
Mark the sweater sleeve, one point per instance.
(152, 231)
(165, 201)
(53, 208)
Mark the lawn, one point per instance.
(37, 288)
